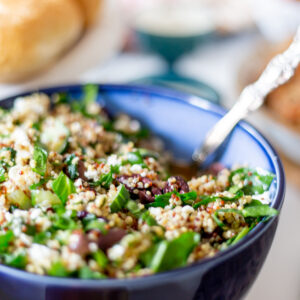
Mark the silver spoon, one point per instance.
(279, 70)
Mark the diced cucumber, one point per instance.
(19, 199)
(55, 137)
(44, 198)
(120, 200)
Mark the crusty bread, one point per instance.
(285, 100)
(90, 9)
(34, 32)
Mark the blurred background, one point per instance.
(210, 48)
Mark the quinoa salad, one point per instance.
(87, 195)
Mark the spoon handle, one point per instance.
(279, 70)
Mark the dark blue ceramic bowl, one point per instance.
(182, 121)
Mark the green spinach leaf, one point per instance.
(63, 186)
(40, 156)
(58, 270)
(87, 273)
(263, 210)
(167, 255)
(72, 168)
(2, 173)
(15, 260)
(5, 239)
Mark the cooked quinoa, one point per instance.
(86, 195)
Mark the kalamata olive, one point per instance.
(50, 209)
(79, 243)
(146, 196)
(156, 191)
(127, 180)
(146, 181)
(81, 170)
(176, 183)
(112, 237)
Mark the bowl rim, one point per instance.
(198, 103)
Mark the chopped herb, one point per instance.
(72, 168)
(106, 179)
(12, 151)
(87, 273)
(37, 126)
(88, 218)
(63, 186)
(5, 239)
(58, 270)
(240, 235)
(64, 222)
(100, 258)
(135, 158)
(133, 207)
(40, 156)
(30, 230)
(2, 173)
(15, 260)
(150, 221)
(255, 181)
(96, 224)
(188, 198)
(4, 166)
(163, 200)
(148, 153)
(61, 98)
(143, 214)
(90, 94)
(234, 189)
(42, 237)
(40, 183)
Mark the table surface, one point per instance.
(216, 64)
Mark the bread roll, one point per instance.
(34, 32)
(90, 9)
(284, 101)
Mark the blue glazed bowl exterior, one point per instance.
(182, 121)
